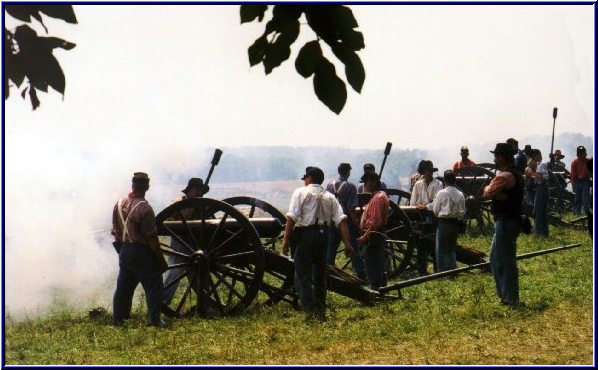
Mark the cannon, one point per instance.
(472, 181)
(227, 258)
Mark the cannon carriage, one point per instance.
(226, 255)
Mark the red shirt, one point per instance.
(461, 164)
(376, 212)
(579, 170)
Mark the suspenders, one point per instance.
(126, 221)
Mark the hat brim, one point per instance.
(434, 169)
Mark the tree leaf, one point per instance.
(257, 51)
(353, 40)
(328, 87)
(280, 50)
(54, 75)
(250, 12)
(33, 97)
(353, 67)
(342, 17)
(64, 12)
(21, 12)
(55, 42)
(310, 53)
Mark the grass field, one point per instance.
(449, 321)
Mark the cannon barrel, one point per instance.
(266, 227)
(423, 279)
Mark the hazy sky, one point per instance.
(434, 74)
(148, 86)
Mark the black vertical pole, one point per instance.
(554, 111)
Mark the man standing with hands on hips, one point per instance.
(311, 211)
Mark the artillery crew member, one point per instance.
(195, 189)
(520, 157)
(311, 211)
(373, 224)
(140, 258)
(541, 196)
(417, 175)
(580, 180)
(424, 192)
(346, 193)
(368, 167)
(465, 161)
(555, 163)
(448, 207)
(506, 192)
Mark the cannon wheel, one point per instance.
(477, 208)
(220, 268)
(278, 286)
(403, 196)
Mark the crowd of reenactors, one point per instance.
(319, 218)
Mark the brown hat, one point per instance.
(558, 154)
(426, 165)
(194, 182)
(141, 178)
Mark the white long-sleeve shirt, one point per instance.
(422, 194)
(448, 203)
(304, 209)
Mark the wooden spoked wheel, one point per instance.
(216, 260)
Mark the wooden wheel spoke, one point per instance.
(189, 231)
(218, 228)
(213, 287)
(242, 275)
(176, 279)
(179, 265)
(252, 210)
(233, 256)
(186, 294)
(167, 250)
(178, 238)
(228, 240)
(231, 288)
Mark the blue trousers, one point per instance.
(138, 264)
(172, 274)
(582, 196)
(446, 245)
(334, 240)
(503, 260)
(311, 269)
(375, 257)
(541, 209)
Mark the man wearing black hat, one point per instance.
(346, 193)
(580, 180)
(422, 196)
(372, 225)
(520, 157)
(195, 189)
(506, 192)
(311, 211)
(368, 167)
(140, 258)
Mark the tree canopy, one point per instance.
(333, 24)
(29, 59)
(29, 56)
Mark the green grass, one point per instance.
(449, 321)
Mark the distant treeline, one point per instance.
(248, 164)
(275, 163)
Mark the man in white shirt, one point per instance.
(424, 191)
(448, 207)
(311, 211)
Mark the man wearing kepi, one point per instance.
(449, 208)
(140, 258)
(373, 223)
(311, 211)
(346, 193)
(506, 192)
